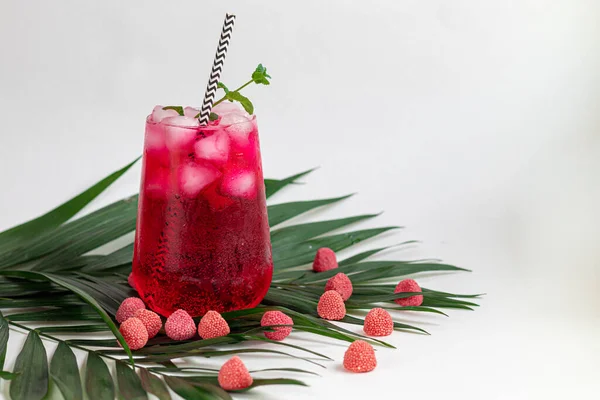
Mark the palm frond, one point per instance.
(60, 214)
(49, 277)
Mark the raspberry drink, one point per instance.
(202, 239)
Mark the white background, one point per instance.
(474, 124)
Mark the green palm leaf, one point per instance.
(3, 339)
(299, 233)
(366, 254)
(195, 380)
(279, 213)
(46, 272)
(196, 392)
(153, 384)
(75, 287)
(272, 186)
(297, 254)
(75, 238)
(65, 373)
(115, 259)
(61, 213)
(98, 382)
(31, 365)
(130, 385)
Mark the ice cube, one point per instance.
(155, 137)
(180, 132)
(238, 127)
(227, 107)
(193, 178)
(214, 148)
(158, 114)
(182, 120)
(239, 184)
(191, 112)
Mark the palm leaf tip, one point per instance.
(279, 213)
(63, 212)
(272, 186)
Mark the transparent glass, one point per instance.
(202, 239)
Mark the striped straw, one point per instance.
(215, 74)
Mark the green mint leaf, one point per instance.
(260, 75)
(243, 100)
(221, 85)
(179, 109)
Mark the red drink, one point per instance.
(202, 239)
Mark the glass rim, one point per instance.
(207, 127)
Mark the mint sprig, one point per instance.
(259, 76)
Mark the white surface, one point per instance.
(472, 123)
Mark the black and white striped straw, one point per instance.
(217, 68)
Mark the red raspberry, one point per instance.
(128, 308)
(277, 318)
(360, 357)
(213, 325)
(134, 332)
(409, 285)
(234, 375)
(151, 321)
(324, 260)
(180, 326)
(341, 284)
(331, 306)
(378, 322)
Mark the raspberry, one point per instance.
(180, 326)
(213, 325)
(378, 322)
(331, 306)
(134, 332)
(324, 260)
(128, 308)
(409, 285)
(234, 375)
(341, 284)
(277, 318)
(151, 321)
(360, 357)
